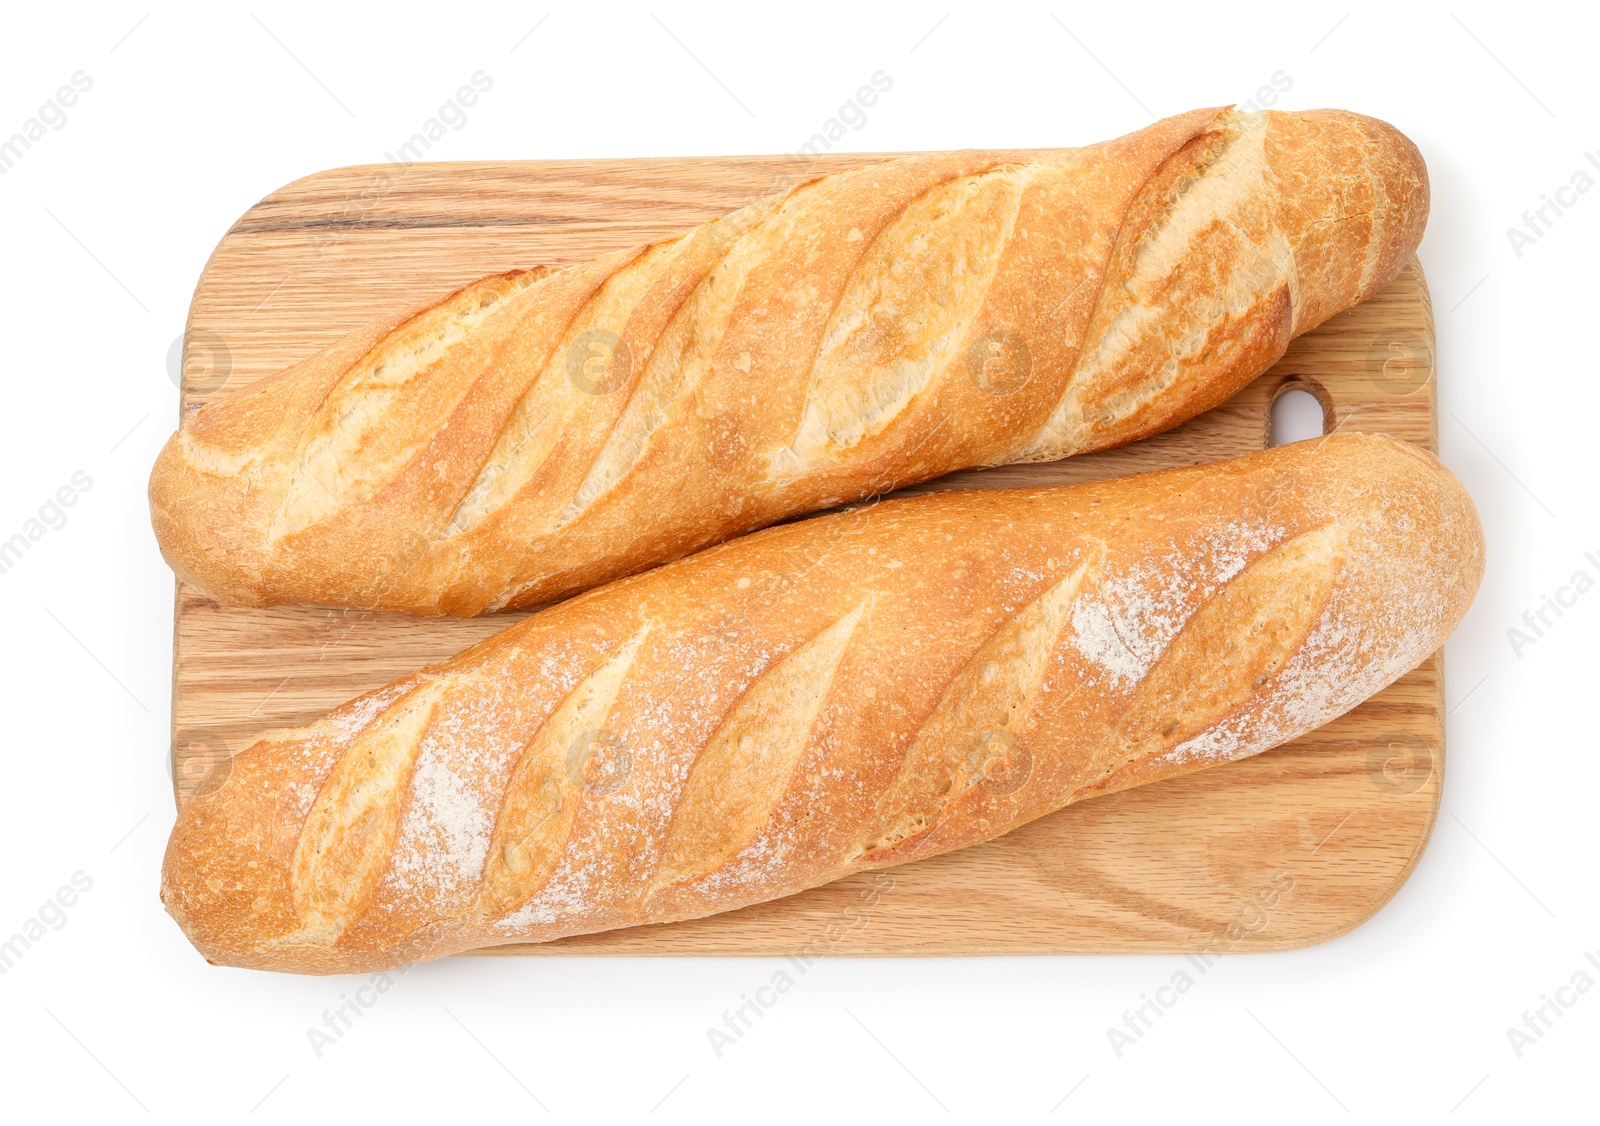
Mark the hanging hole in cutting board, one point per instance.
(1296, 414)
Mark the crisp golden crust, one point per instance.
(537, 433)
(852, 691)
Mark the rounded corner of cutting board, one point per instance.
(1306, 940)
(284, 193)
(1178, 866)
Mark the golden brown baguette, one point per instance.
(537, 433)
(852, 691)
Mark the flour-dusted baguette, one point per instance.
(539, 432)
(848, 692)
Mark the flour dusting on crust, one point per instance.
(1128, 619)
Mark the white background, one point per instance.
(195, 114)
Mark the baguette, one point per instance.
(542, 431)
(848, 692)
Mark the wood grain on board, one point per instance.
(1283, 850)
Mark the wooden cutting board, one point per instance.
(1283, 850)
